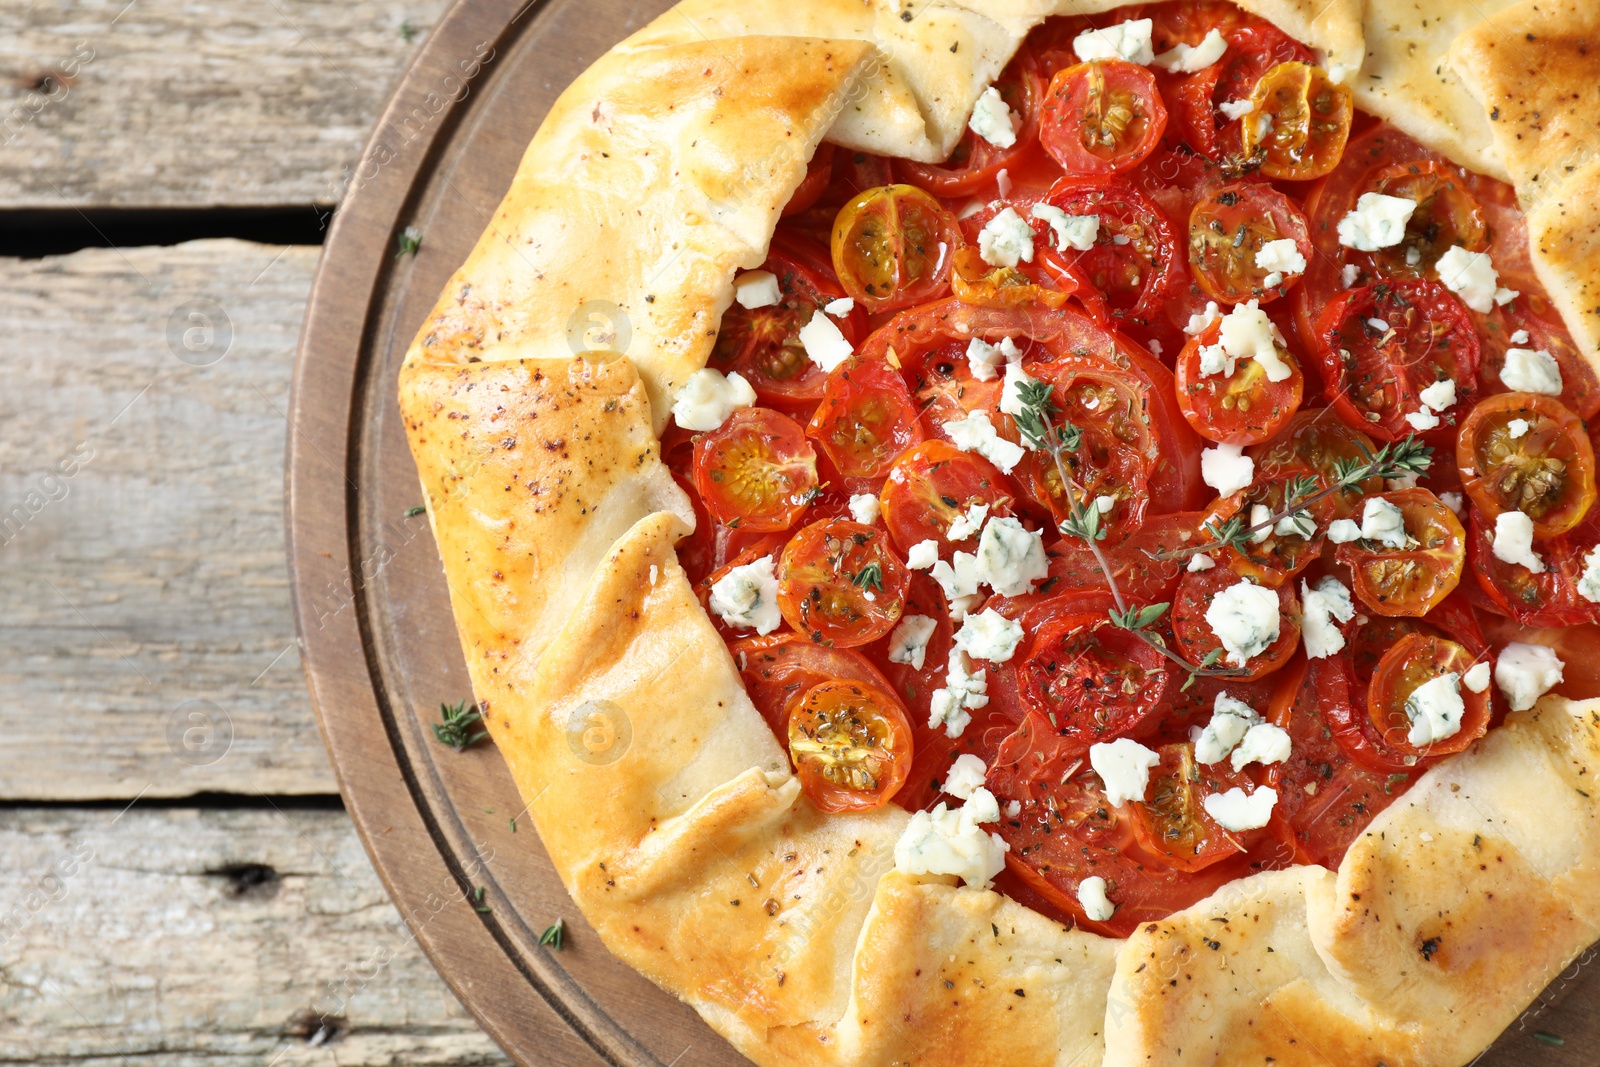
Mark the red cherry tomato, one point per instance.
(933, 485)
(1243, 408)
(1412, 580)
(1135, 262)
(780, 669)
(1550, 598)
(839, 584)
(756, 470)
(1171, 822)
(892, 247)
(1228, 228)
(1314, 439)
(1194, 636)
(1253, 50)
(1140, 573)
(1090, 680)
(851, 746)
(1276, 557)
(1546, 471)
(1102, 117)
(1415, 660)
(866, 418)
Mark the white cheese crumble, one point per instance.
(989, 635)
(1348, 274)
(1476, 679)
(992, 119)
(1226, 468)
(1377, 221)
(1237, 810)
(708, 398)
(1263, 743)
(1520, 337)
(969, 524)
(1247, 333)
(840, 307)
(908, 643)
(1470, 275)
(1454, 502)
(1124, 766)
(1422, 420)
(1301, 524)
(1529, 370)
(864, 508)
(1097, 907)
(1002, 183)
(757, 289)
(959, 580)
(1343, 531)
(923, 555)
(965, 776)
(1200, 562)
(1231, 719)
(1282, 255)
(1201, 321)
(965, 690)
(1518, 427)
(1126, 40)
(1259, 514)
(1214, 359)
(1006, 240)
(1589, 581)
(1011, 393)
(1244, 617)
(1077, 232)
(1105, 504)
(1525, 673)
(1513, 541)
(1381, 521)
(1440, 396)
(976, 433)
(942, 841)
(1187, 59)
(1011, 558)
(823, 342)
(1435, 709)
(1236, 109)
(1321, 607)
(747, 597)
(984, 357)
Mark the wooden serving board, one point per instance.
(380, 647)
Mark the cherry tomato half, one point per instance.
(1414, 660)
(1135, 260)
(1409, 581)
(1276, 557)
(934, 484)
(1381, 345)
(839, 584)
(819, 172)
(1090, 680)
(1528, 453)
(1549, 598)
(778, 671)
(1242, 408)
(892, 247)
(851, 746)
(1315, 439)
(1102, 117)
(1447, 213)
(866, 418)
(1226, 231)
(1171, 822)
(756, 470)
(1196, 640)
(1300, 123)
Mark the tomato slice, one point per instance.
(1253, 49)
(1142, 577)
(1171, 823)
(1541, 332)
(974, 163)
(1242, 408)
(892, 247)
(1196, 640)
(851, 746)
(819, 172)
(932, 486)
(1090, 680)
(756, 471)
(1550, 598)
(866, 418)
(763, 344)
(1447, 213)
(1300, 123)
(1315, 439)
(1229, 227)
(1102, 117)
(1380, 345)
(1134, 262)
(1528, 453)
(839, 583)
(1277, 557)
(1415, 660)
(778, 671)
(1409, 581)
(1341, 687)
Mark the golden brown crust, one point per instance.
(663, 798)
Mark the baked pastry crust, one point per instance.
(658, 790)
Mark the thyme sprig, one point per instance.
(1398, 459)
(455, 727)
(1035, 420)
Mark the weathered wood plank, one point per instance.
(147, 644)
(181, 938)
(173, 103)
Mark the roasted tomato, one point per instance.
(1134, 262)
(1411, 580)
(1227, 231)
(780, 669)
(1102, 117)
(1134, 557)
(839, 583)
(1253, 49)
(1341, 689)
(1299, 124)
(934, 485)
(1197, 641)
(1171, 822)
(1549, 598)
(1447, 213)
(866, 418)
(850, 744)
(1089, 679)
(975, 163)
(1315, 439)
(819, 171)
(892, 247)
(1275, 555)
(1530, 322)
(1450, 721)
(1528, 453)
(1244, 407)
(757, 470)
(976, 282)
(1381, 345)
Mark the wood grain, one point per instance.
(141, 526)
(181, 104)
(277, 944)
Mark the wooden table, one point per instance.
(179, 883)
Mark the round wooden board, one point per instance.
(380, 646)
